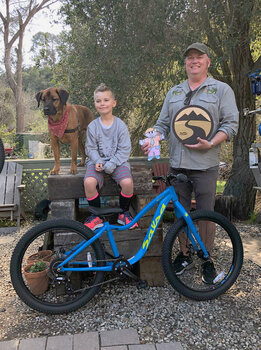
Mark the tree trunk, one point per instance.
(241, 181)
(19, 89)
(24, 14)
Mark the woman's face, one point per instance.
(197, 64)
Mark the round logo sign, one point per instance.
(191, 122)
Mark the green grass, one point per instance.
(220, 186)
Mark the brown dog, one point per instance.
(67, 123)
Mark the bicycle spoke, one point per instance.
(66, 290)
(190, 275)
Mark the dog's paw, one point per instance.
(54, 171)
(73, 171)
(81, 164)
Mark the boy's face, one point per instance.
(104, 102)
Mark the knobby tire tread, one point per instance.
(167, 261)
(17, 256)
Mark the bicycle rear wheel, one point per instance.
(66, 291)
(2, 155)
(227, 255)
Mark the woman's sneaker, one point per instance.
(126, 218)
(208, 272)
(182, 263)
(93, 222)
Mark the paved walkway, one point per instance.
(125, 339)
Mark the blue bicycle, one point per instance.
(79, 261)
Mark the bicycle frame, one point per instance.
(162, 200)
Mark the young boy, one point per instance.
(108, 149)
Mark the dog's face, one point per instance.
(53, 100)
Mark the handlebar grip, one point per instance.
(155, 178)
(179, 177)
(182, 177)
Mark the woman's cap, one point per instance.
(197, 46)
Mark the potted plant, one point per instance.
(44, 255)
(36, 276)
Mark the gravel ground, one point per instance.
(231, 322)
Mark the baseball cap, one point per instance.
(197, 46)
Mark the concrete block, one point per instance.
(32, 344)
(9, 345)
(120, 347)
(63, 209)
(83, 341)
(119, 337)
(64, 342)
(142, 347)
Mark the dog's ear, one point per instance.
(38, 97)
(63, 94)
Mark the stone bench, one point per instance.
(65, 190)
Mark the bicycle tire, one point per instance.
(227, 258)
(2, 155)
(49, 302)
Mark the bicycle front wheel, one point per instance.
(226, 254)
(64, 291)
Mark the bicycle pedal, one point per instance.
(129, 273)
(142, 284)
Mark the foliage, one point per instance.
(110, 43)
(7, 105)
(252, 217)
(44, 49)
(40, 76)
(15, 17)
(33, 120)
(7, 136)
(38, 266)
(36, 79)
(220, 186)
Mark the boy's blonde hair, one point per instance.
(101, 88)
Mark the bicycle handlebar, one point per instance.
(166, 179)
(247, 112)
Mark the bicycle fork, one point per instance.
(195, 239)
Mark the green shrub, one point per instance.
(220, 186)
(38, 266)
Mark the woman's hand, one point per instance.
(146, 147)
(201, 145)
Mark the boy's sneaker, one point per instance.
(182, 263)
(93, 222)
(208, 272)
(126, 218)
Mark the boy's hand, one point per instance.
(98, 167)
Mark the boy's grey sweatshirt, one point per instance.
(110, 146)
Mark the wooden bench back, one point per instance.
(160, 169)
(10, 179)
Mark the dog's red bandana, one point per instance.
(59, 127)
